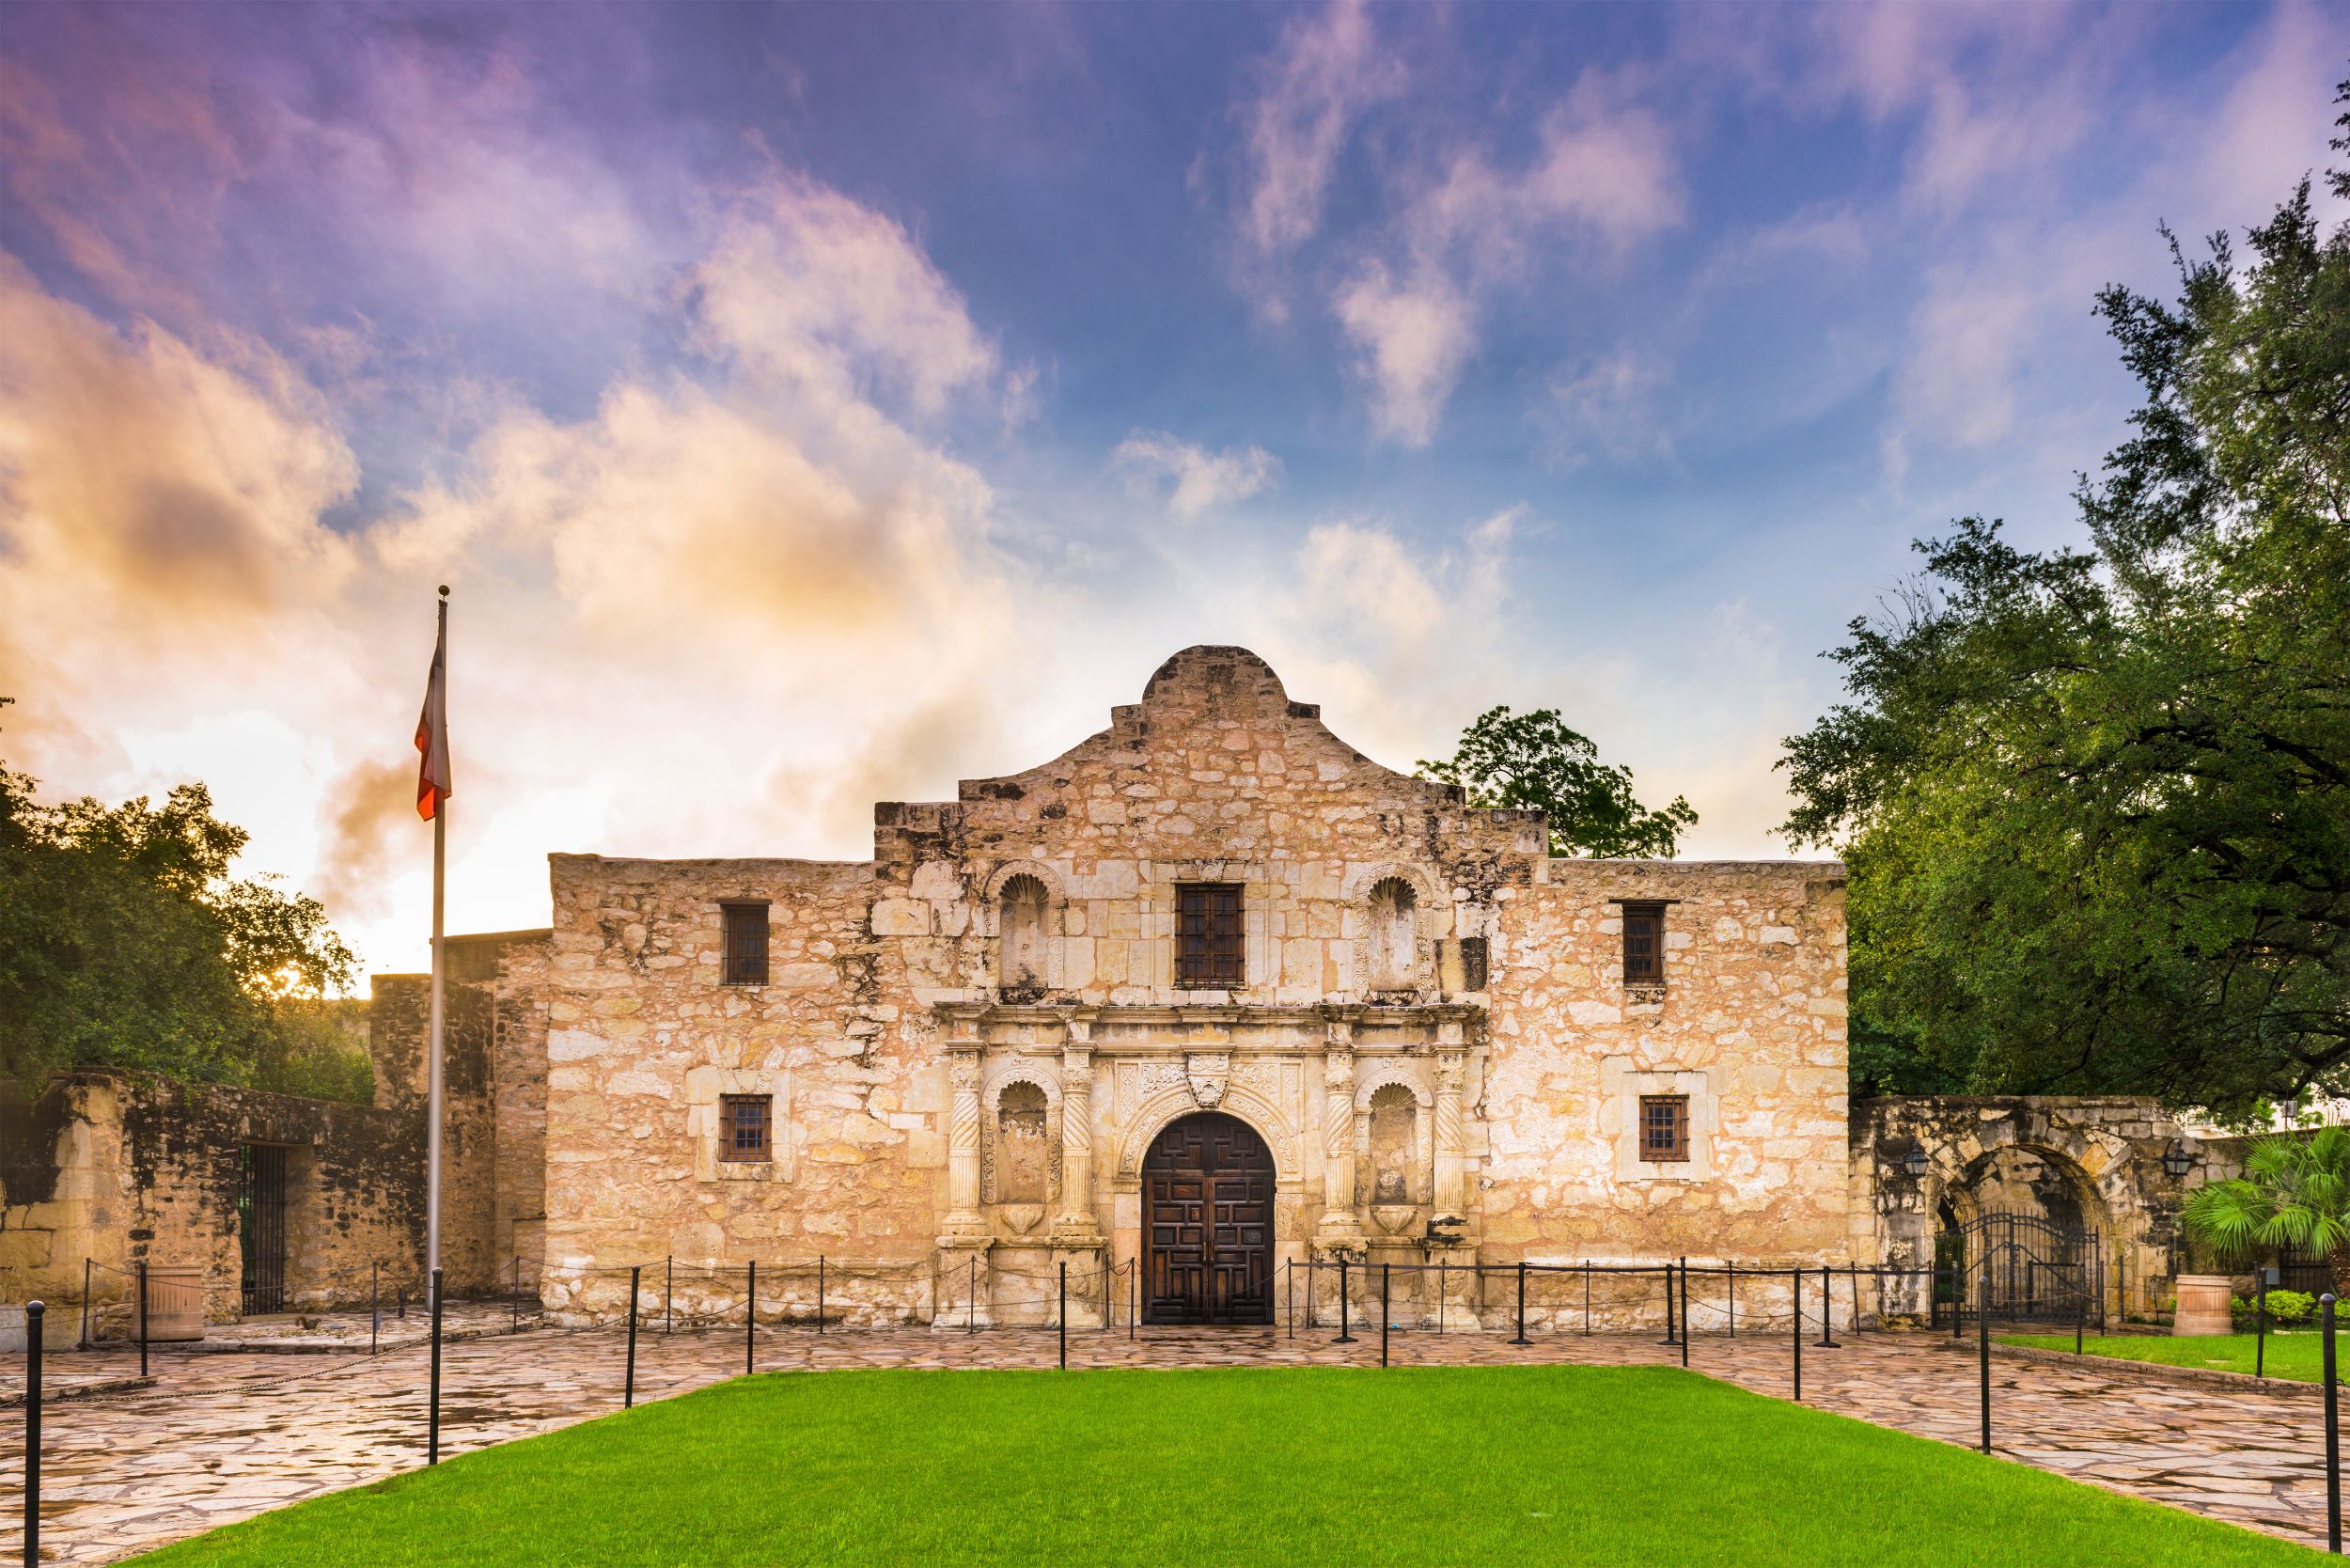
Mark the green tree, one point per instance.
(1534, 760)
(124, 941)
(2095, 803)
(2295, 1192)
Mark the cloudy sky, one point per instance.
(810, 406)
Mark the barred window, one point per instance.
(746, 944)
(1663, 1127)
(743, 1128)
(1644, 944)
(1209, 944)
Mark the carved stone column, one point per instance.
(1340, 1222)
(1451, 1140)
(962, 1143)
(1075, 1224)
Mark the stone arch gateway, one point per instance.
(1207, 1195)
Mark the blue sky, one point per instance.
(818, 404)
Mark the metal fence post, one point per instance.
(82, 1344)
(1828, 1309)
(515, 1300)
(142, 1317)
(971, 1297)
(2333, 1431)
(628, 1388)
(1587, 1299)
(1344, 1338)
(751, 1319)
(1062, 1317)
(1383, 1314)
(1133, 1299)
(1733, 1298)
(1982, 1349)
(1288, 1294)
(375, 1303)
(2260, 1331)
(820, 1293)
(34, 1310)
(1444, 1284)
(1521, 1339)
(1669, 1338)
(1109, 1308)
(433, 1411)
(1852, 1278)
(1797, 1277)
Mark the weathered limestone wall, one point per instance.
(643, 1040)
(492, 1083)
(121, 1167)
(1750, 1025)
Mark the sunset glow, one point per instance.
(814, 406)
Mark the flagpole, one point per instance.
(433, 1068)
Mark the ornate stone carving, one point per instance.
(1451, 1143)
(1208, 1071)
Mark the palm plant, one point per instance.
(2295, 1192)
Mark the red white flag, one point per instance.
(432, 778)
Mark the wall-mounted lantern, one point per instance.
(1914, 1164)
(2176, 1161)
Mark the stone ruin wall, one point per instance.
(493, 1110)
(2049, 1156)
(122, 1167)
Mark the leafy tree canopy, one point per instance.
(124, 941)
(2095, 802)
(1534, 760)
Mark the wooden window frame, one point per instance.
(1646, 911)
(1211, 943)
(737, 965)
(731, 1150)
(1675, 1150)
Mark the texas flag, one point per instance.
(432, 779)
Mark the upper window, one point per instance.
(1208, 952)
(746, 944)
(1644, 944)
(744, 1128)
(1663, 1127)
(1475, 960)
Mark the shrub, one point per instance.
(2285, 1307)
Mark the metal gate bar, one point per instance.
(261, 1226)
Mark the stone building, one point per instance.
(1211, 997)
(1211, 994)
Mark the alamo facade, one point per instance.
(1211, 994)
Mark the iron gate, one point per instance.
(2038, 1271)
(261, 1226)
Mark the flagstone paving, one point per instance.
(227, 1435)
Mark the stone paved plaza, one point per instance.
(226, 1435)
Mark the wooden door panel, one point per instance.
(1208, 1188)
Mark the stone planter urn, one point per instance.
(2203, 1305)
(174, 1304)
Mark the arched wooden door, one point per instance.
(1207, 1218)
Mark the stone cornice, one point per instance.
(970, 1021)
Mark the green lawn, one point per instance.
(2292, 1353)
(1502, 1465)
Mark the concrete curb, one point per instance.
(315, 1347)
